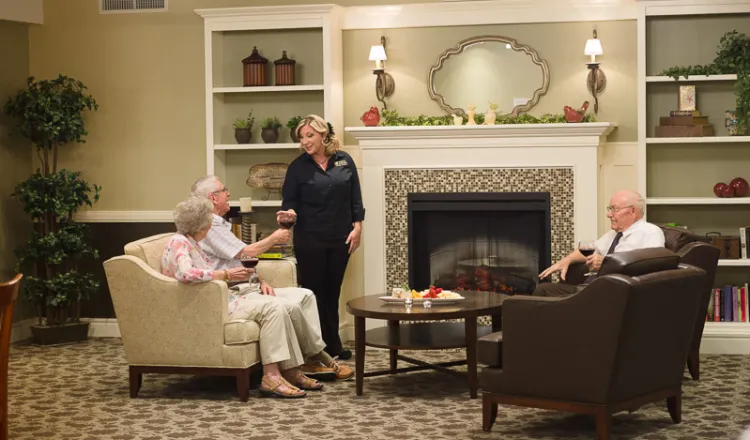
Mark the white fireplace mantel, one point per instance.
(574, 146)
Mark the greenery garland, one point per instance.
(732, 57)
(391, 118)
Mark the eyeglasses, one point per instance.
(225, 189)
(614, 209)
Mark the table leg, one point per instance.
(471, 354)
(393, 354)
(359, 352)
(497, 322)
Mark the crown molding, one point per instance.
(456, 13)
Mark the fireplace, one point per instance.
(492, 241)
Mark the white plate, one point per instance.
(390, 299)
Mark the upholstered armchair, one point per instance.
(618, 343)
(694, 250)
(171, 327)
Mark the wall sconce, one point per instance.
(384, 84)
(596, 80)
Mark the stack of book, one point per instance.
(688, 123)
(277, 252)
(728, 304)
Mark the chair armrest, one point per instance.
(563, 348)
(490, 349)
(278, 273)
(163, 321)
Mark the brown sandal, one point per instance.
(306, 383)
(269, 387)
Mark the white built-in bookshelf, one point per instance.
(688, 199)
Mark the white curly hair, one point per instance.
(193, 215)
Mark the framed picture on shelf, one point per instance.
(686, 98)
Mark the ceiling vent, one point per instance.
(126, 6)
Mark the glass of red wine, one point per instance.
(288, 222)
(587, 248)
(249, 263)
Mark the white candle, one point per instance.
(246, 204)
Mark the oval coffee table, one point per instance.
(425, 335)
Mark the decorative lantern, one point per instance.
(284, 70)
(254, 69)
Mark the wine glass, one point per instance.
(250, 263)
(287, 220)
(587, 248)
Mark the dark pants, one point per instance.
(321, 266)
(555, 289)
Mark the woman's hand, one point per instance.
(238, 274)
(266, 289)
(286, 216)
(353, 239)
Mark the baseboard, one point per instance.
(21, 330)
(103, 327)
(346, 332)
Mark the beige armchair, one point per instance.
(171, 327)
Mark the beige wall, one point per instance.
(15, 154)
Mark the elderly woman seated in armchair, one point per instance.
(281, 350)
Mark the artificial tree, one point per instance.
(49, 113)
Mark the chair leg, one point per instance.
(489, 413)
(136, 379)
(674, 406)
(4, 427)
(694, 364)
(243, 384)
(603, 424)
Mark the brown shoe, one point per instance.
(343, 371)
(318, 371)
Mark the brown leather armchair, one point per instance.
(618, 343)
(694, 250)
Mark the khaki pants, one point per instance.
(289, 334)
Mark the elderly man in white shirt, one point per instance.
(629, 232)
(224, 250)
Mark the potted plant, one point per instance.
(292, 124)
(242, 127)
(270, 129)
(49, 113)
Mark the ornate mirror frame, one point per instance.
(468, 42)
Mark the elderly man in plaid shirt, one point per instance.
(224, 250)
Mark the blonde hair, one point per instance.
(324, 129)
(193, 215)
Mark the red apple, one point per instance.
(728, 191)
(719, 189)
(740, 186)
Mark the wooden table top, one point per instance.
(475, 304)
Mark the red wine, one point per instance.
(249, 262)
(287, 224)
(586, 252)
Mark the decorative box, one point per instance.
(284, 70)
(254, 69)
(729, 246)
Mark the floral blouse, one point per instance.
(183, 260)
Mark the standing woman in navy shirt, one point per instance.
(321, 192)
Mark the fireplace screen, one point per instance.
(497, 242)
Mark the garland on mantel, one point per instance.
(391, 118)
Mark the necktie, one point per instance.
(618, 236)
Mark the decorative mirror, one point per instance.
(489, 69)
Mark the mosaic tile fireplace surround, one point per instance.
(561, 159)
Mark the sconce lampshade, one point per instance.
(377, 53)
(593, 47)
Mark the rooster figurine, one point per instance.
(575, 114)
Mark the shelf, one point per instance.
(735, 262)
(258, 203)
(303, 88)
(288, 146)
(691, 78)
(698, 140)
(697, 201)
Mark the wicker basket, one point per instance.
(254, 69)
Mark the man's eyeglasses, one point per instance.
(614, 209)
(225, 189)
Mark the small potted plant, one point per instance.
(270, 129)
(242, 127)
(292, 123)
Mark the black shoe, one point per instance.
(344, 355)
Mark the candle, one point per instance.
(246, 204)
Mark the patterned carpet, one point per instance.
(81, 392)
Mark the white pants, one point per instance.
(289, 325)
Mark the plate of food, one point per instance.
(434, 294)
